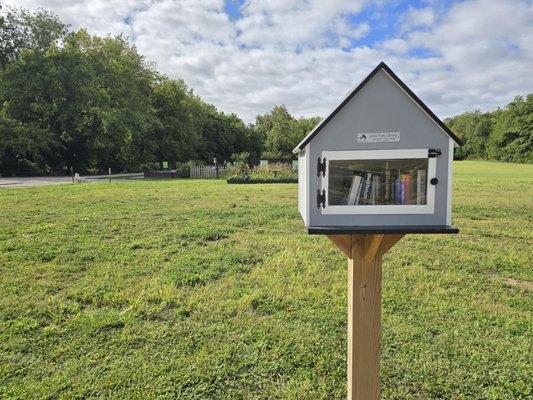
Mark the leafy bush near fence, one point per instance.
(150, 166)
(271, 173)
(180, 170)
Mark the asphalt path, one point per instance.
(58, 180)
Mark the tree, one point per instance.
(20, 29)
(512, 137)
(277, 129)
(92, 94)
(23, 149)
(281, 132)
(173, 134)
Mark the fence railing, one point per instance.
(206, 172)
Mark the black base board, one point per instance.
(344, 230)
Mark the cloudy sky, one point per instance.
(246, 56)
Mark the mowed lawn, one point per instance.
(203, 290)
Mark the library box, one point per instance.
(380, 162)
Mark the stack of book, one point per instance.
(387, 187)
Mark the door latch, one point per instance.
(432, 153)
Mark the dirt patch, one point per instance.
(526, 285)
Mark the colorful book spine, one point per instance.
(388, 185)
(412, 199)
(406, 178)
(421, 185)
(399, 196)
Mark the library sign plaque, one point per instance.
(377, 137)
(366, 194)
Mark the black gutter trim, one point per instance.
(385, 67)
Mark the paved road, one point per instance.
(57, 180)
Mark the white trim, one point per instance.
(428, 208)
(449, 191)
(303, 185)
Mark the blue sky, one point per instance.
(245, 56)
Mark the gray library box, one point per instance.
(381, 162)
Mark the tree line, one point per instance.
(505, 134)
(69, 99)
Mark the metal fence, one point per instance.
(206, 172)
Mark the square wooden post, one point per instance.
(364, 254)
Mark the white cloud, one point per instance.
(417, 17)
(308, 55)
(396, 45)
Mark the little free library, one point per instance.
(376, 168)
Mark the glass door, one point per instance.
(378, 182)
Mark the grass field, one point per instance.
(203, 290)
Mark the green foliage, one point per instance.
(281, 132)
(262, 173)
(202, 290)
(239, 170)
(512, 136)
(22, 148)
(182, 170)
(20, 29)
(150, 166)
(505, 134)
(93, 103)
(102, 105)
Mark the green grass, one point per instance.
(203, 290)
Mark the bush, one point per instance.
(29, 168)
(278, 172)
(239, 170)
(150, 166)
(182, 170)
(243, 157)
(274, 171)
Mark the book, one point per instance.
(388, 185)
(399, 196)
(366, 189)
(376, 189)
(412, 199)
(421, 183)
(355, 188)
(406, 178)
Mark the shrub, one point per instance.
(150, 166)
(182, 170)
(274, 171)
(239, 170)
(278, 172)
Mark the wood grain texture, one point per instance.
(372, 243)
(389, 241)
(364, 318)
(343, 242)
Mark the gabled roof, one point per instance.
(409, 92)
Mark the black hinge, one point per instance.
(321, 167)
(432, 153)
(321, 198)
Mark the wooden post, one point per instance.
(364, 310)
(109, 173)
